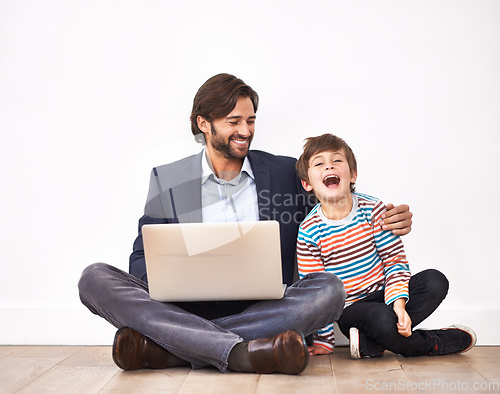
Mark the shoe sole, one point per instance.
(469, 331)
(119, 336)
(354, 343)
(296, 368)
(306, 350)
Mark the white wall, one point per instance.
(93, 94)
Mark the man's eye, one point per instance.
(251, 121)
(233, 123)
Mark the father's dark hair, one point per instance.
(324, 143)
(218, 96)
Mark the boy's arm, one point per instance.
(404, 320)
(396, 270)
(308, 255)
(309, 260)
(391, 251)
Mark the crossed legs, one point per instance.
(123, 300)
(378, 321)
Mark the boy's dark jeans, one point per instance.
(372, 317)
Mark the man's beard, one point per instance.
(220, 144)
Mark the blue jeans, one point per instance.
(123, 300)
(378, 322)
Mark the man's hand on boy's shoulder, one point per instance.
(397, 219)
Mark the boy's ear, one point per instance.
(307, 187)
(354, 176)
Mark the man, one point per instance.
(225, 182)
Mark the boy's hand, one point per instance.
(397, 219)
(404, 320)
(317, 350)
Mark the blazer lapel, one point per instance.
(187, 195)
(263, 184)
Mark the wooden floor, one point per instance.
(66, 369)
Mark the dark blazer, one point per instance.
(175, 197)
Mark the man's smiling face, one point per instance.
(231, 136)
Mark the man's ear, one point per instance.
(307, 187)
(203, 124)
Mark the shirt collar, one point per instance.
(206, 167)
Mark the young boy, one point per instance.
(343, 235)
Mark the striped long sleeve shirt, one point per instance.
(356, 249)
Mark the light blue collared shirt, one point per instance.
(228, 201)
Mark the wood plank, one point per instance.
(487, 367)
(71, 379)
(444, 360)
(165, 381)
(317, 378)
(24, 364)
(58, 352)
(91, 356)
(442, 373)
(15, 373)
(366, 375)
(343, 364)
(483, 352)
(210, 380)
(6, 350)
(41, 369)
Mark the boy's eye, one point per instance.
(318, 164)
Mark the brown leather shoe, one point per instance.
(132, 350)
(286, 353)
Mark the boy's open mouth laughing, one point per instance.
(331, 180)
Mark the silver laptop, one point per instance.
(213, 261)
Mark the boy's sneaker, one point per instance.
(454, 339)
(363, 347)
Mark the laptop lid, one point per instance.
(213, 261)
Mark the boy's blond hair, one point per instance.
(324, 143)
